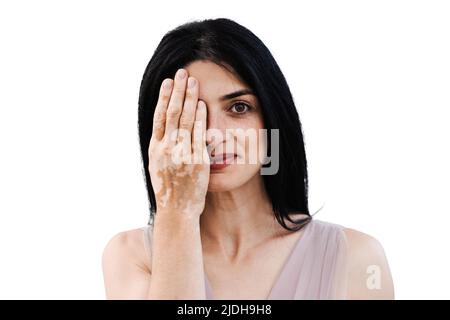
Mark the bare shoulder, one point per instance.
(125, 265)
(369, 273)
(129, 244)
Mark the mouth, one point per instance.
(221, 160)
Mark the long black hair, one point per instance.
(236, 48)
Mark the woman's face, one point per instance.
(233, 125)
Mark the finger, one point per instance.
(188, 114)
(199, 133)
(159, 117)
(175, 106)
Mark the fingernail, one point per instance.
(181, 74)
(167, 84)
(191, 82)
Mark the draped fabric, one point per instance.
(315, 269)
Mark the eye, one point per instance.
(240, 107)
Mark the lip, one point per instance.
(222, 161)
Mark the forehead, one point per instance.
(215, 80)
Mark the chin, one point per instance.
(222, 181)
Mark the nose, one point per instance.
(216, 130)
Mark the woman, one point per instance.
(220, 228)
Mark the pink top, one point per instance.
(315, 269)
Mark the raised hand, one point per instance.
(178, 157)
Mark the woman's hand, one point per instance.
(178, 157)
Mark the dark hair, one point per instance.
(229, 44)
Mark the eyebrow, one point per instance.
(236, 94)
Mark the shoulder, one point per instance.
(125, 246)
(125, 266)
(369, 275)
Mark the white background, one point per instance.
(371, 81)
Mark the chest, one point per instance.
(252, 277)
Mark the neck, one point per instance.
(236, 220)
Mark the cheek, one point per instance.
(253, 144)
(247, 138)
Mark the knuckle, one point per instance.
(173, 112)
(159, 117)
(165, 97)
(190, 94)
(158, 126)
(152, 152)
(185, 123)
(166, 150)
(179, 90)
